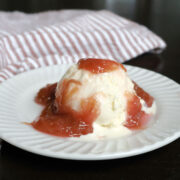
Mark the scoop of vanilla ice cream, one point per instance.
(109, 89)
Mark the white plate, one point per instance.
(17, 106)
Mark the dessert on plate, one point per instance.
(94, 99)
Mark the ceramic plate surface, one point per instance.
(17, 106)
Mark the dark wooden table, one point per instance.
(162, 17)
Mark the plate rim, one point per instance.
(93, 157)
(69, 64)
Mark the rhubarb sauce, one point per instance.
(59, 119)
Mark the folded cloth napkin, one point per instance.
(29, 41)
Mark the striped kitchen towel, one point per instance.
(29, 41)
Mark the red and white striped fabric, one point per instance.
(29, 41)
